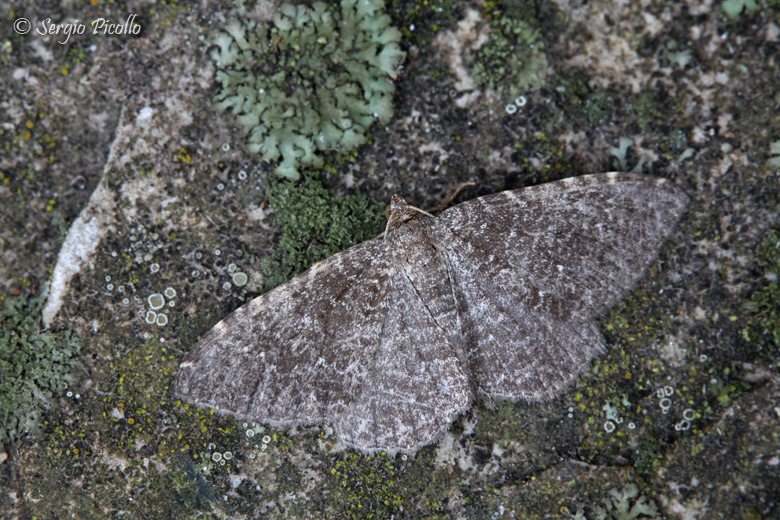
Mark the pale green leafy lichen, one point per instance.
(774, 150)
(733, 8)
(315, 80)
(624, 503)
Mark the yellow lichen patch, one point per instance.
(183, 156)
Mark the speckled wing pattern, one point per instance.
(416, 386)
(295, 353)
(533, 267)
(391, 339)
(343, 343)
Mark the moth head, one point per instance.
(399, 212)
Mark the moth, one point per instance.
(390, 340)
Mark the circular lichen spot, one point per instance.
(240, 279)
(156, 301)
(151, 317)
(511, 60)
(314, 80)
(162, 320)
(170, 293)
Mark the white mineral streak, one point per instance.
(84, 235)
(80, 244)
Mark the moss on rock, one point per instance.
(35, 366)
(366, 487)
(316, 225)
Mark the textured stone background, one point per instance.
(673, 89)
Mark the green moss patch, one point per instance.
(35, 367)
(315, 225)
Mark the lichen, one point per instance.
(763, 307)
(733, 8)
(620, 152)
(313, 81)
(621, 504)
(774, 151)
(576, 97)
(511, 60)
(366, 487)
(315, 225)
(35, 367)
(647, 111)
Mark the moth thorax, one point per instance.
(417, 254)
